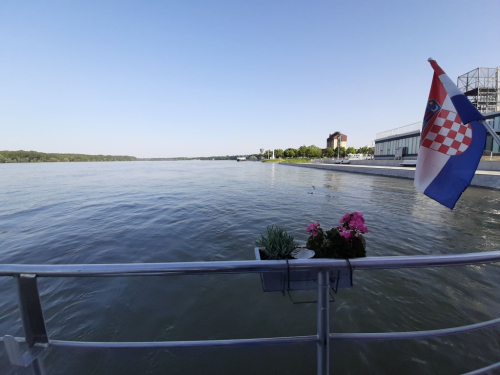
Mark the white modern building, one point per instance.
(405, 138)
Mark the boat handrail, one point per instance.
(246, 266)
(37, 338)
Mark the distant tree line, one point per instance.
(303, 151)
(41, 157)
(316, 152)
(252, 157)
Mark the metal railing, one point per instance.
(38, 340)
(401, 130)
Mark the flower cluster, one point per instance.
(313, 229)
(343, 241)
(352, 224)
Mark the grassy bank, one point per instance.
(294, 160)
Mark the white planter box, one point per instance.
(301, 280)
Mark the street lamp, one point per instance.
(339, 137)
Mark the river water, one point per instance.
(121, 212)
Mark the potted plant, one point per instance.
(343, 241)
(279, 245)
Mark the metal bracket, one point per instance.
(31, 310)
(301, 302)
(334, 286)
(34, 326)
(14, 352)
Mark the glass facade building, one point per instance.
(387, 142)
(388, 147)
(491, 145)
(405, 137)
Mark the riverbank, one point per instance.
(482, 178)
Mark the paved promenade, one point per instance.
(482, 178)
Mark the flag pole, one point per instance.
(491, 131)
(491, 115)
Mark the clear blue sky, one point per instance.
(201, 78)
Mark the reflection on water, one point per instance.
(200, 211)
(334, 181)
(273, 167)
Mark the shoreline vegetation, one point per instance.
(22, 156)
(41, 157)
(301, 155)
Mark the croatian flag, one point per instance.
(451, 143)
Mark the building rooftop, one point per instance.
(417, 126)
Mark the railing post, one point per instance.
(323, 346)
(31, 312)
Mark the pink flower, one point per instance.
(353, 224)
(345, 218)
(358, 216)
(312, 227)
(346, 234)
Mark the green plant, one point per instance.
(278, 244)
